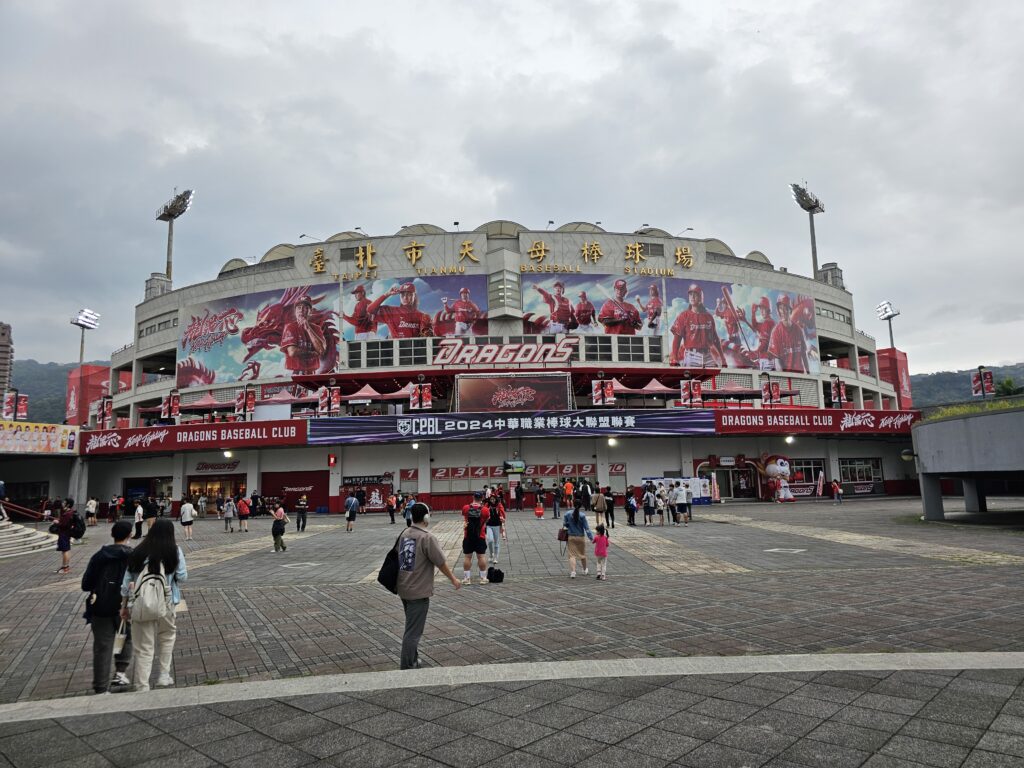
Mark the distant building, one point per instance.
(6, 357)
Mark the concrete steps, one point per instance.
(16, 540)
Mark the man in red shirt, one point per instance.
(585, 315)
(302, 342)
(787, 346)
(474, 538)
(559, 308)
(695, 342)
(618, 316)
(404, 321)
(465, 313)
(653, 308)
(365, 327)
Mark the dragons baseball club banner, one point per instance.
(448, 305)
(277, 333)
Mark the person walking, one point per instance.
(601, 552)
(649, 503)
(158, 554)
(301, 510)
(599, 505)
(407, 511)
(351, 510)
(579, 530)
(202, 505)
(391, 504)
(419, 553)
(91, 508)
(150, 512)
(474, 538)
(244, 510)
(102, 580)
(687, 503)
(837, 492)
(630, 505)
(278, 528)
(139, 516)
(609, 506)
(495, 529)
(186, 515)
(556, 500)
(65, 524)
(230, 511)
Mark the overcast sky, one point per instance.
(317, 117)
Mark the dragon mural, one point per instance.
(307, 336)
(192, 373)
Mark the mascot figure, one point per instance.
(776, 473)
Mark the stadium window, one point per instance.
(654, 349)
(860, 470)
(631, 349)
(355, 355)
(805, 470)
(412, 352)
(598, 348)
(380, 354)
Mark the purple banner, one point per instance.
(490, 426)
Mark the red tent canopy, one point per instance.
(366, 393)
(655, 387)
(286, 397)
(400, 394)
(206, 402)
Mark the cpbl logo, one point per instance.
(423, 426)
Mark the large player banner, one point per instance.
(269, 334)
(488, 426)
(401, 308)
(504, 393)
(618, 305)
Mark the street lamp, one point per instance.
(810, 203)
(168, 212)
(87, 320)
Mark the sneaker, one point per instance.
(467, 580)
(120, 678)
(586, 571)
(165, 681)
(483, 580)
(572, 575)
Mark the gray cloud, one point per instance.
(323, 119)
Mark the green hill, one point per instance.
(46, 387)
(955, 386)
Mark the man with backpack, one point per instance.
(474, 538)
(102, 580)
(352, 507)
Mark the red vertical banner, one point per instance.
(323, 402)
(684, 392)
(335, 401)
(988, 381)
(165, 408)
(766, 393)
(250, 399)
(108, 412)
(10, 405)
(421, 397)
(836, 396)
(696, 393)
(175, 403)
(239, 402)
(22, 406)
(602, 391)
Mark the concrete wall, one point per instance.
(985, 442)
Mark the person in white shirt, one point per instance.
(186, 516)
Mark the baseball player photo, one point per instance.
(787, 346)
(404, 321)
(652, 310)
(762, 323)
(561, 316)
(585, 315)
(463, 311)
(695, 342)
(364, 326)
(618, 316)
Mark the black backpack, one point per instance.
(278, 528)
(77, 526)
(105, 599)
(495, 575)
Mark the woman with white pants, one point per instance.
(158, 551)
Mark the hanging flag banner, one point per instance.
(250, 399)
(323, 401)
(982, 383)
(602, 391)
(239, 402)
(10, 404)
(684, 392)
(175, 400)
(22, 406)
(165, 408)
(696, 393)
(335, 404)
(421, 397)
(820, 489)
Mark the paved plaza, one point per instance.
(803, 635)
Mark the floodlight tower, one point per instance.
(810, 203)
(168, 212)
(886, 311)
(87, 320)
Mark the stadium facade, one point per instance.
(428, 358)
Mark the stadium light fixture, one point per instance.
(886, 311)
(87, 320)
(684, 231)
(311, 237)
(810, 203)
(169, 211)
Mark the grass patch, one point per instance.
(969, 409)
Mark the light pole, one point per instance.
(886, 311)
(87, 320)
(810, 203)
(168, 212)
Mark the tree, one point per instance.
(1008, 388)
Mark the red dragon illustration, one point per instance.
(192, 373)
(271, 320)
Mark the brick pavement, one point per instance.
(866, 576)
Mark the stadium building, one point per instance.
(426, 359)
